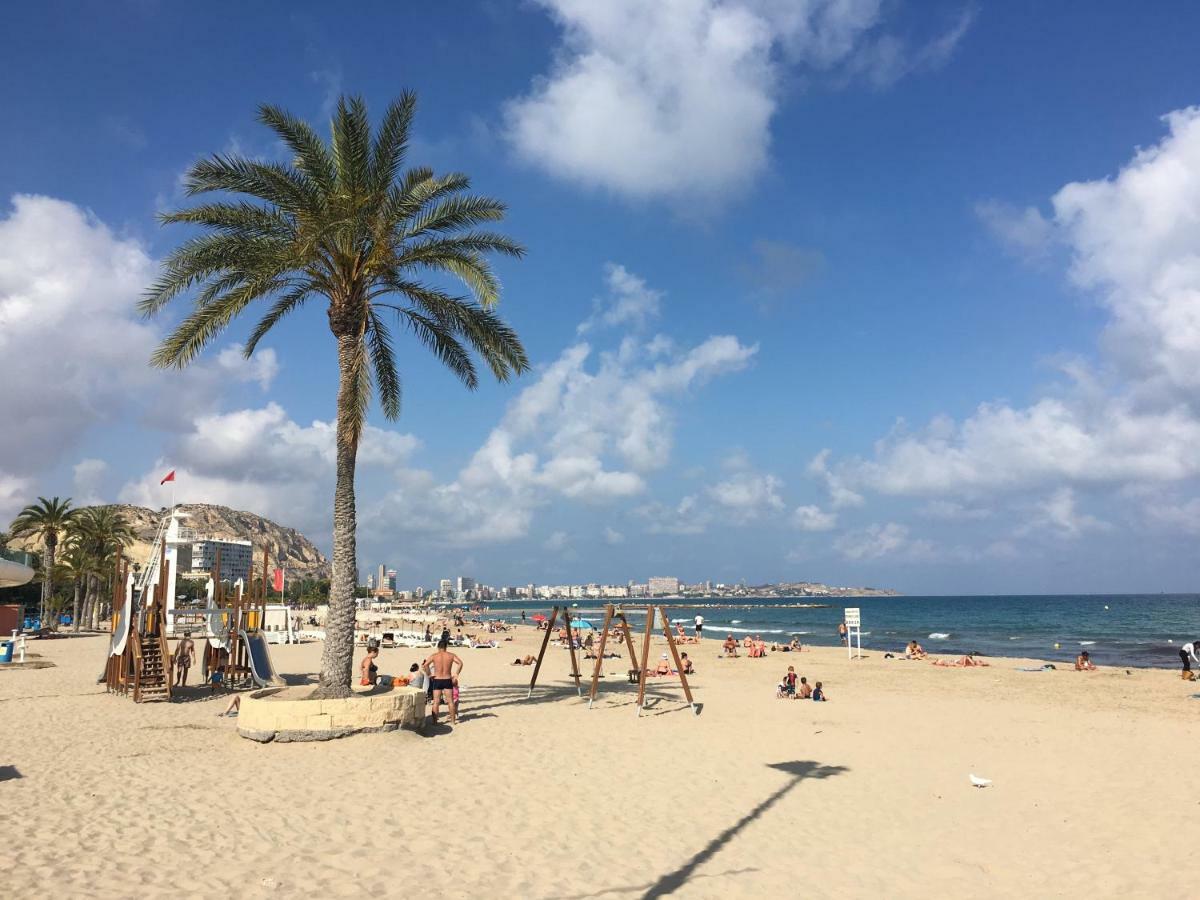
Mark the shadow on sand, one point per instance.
(798, 770)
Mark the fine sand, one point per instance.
(1095, 792)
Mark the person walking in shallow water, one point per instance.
(842, 631)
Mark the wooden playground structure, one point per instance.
(614, 613)
(138, 654)
(228, 628)
(235, 616)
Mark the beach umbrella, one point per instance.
(580, 623)
(538, 618)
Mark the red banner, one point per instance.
(278, 580)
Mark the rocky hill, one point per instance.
(288, 547)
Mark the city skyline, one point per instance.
(791, 308)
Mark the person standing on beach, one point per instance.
(699, 627)
(522, 617)
(1186, 654)
(443, 668)
(185, 655)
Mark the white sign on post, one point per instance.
(853, 630)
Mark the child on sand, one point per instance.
(787, 687)
(804, 691)
(1083, 663)
(818, 693)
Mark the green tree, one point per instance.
(45, 520)
(343, 224)
(100, 532)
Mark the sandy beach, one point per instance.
(867, 794)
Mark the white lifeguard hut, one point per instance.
(853, 632)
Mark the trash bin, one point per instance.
(6, 649)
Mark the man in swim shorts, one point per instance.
(443, 667)
(699, 627)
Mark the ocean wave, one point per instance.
(753, 630)
(939, 636)
(1086, 643)
(736, 622)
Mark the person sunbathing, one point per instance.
(1083, 663)
(524, 661)
(688, 668)
(748, 642)
(965, 662)
(730, 646)
(914, 651)
(664, 667)
(795, 646)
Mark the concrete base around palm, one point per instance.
(286, 714)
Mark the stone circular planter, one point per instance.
(286, 714)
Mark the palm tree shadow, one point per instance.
(798, 769)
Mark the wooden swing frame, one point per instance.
(612, 612)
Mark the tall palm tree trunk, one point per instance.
(337, 660)
(75, 605)
(47, 581)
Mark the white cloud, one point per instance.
(557, 541)
(629, 302)
(15, 494)
(74, 355)
(1026, 231)
(259, 459)
(1058, 515)
(71, 352)
(813, 518)
(840, 496)
(675, 98)
(612, 537)
(1131, 420)
(590, 427)
(90, 475)
(747, 495)
(877, 541)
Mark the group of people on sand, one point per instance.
(792, 687)
(437, 674)
(756, 647)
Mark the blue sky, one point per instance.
(877, 293)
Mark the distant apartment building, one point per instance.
(391, 579)
(381, 577)
(236, 558)
(463, 584)
(445, 587)
(657, 586)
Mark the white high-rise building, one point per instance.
(445, 587)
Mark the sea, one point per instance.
(1132, 630)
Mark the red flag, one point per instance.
(170, 477)
(278, 580)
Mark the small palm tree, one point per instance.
(46, 520)
(345, 225)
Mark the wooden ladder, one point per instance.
(152, 681)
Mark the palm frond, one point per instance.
(391, 141)
(383, 363)
(312, 155)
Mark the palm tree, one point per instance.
(99, 531)
(343, 223)
(46, 520)
(76, 565)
